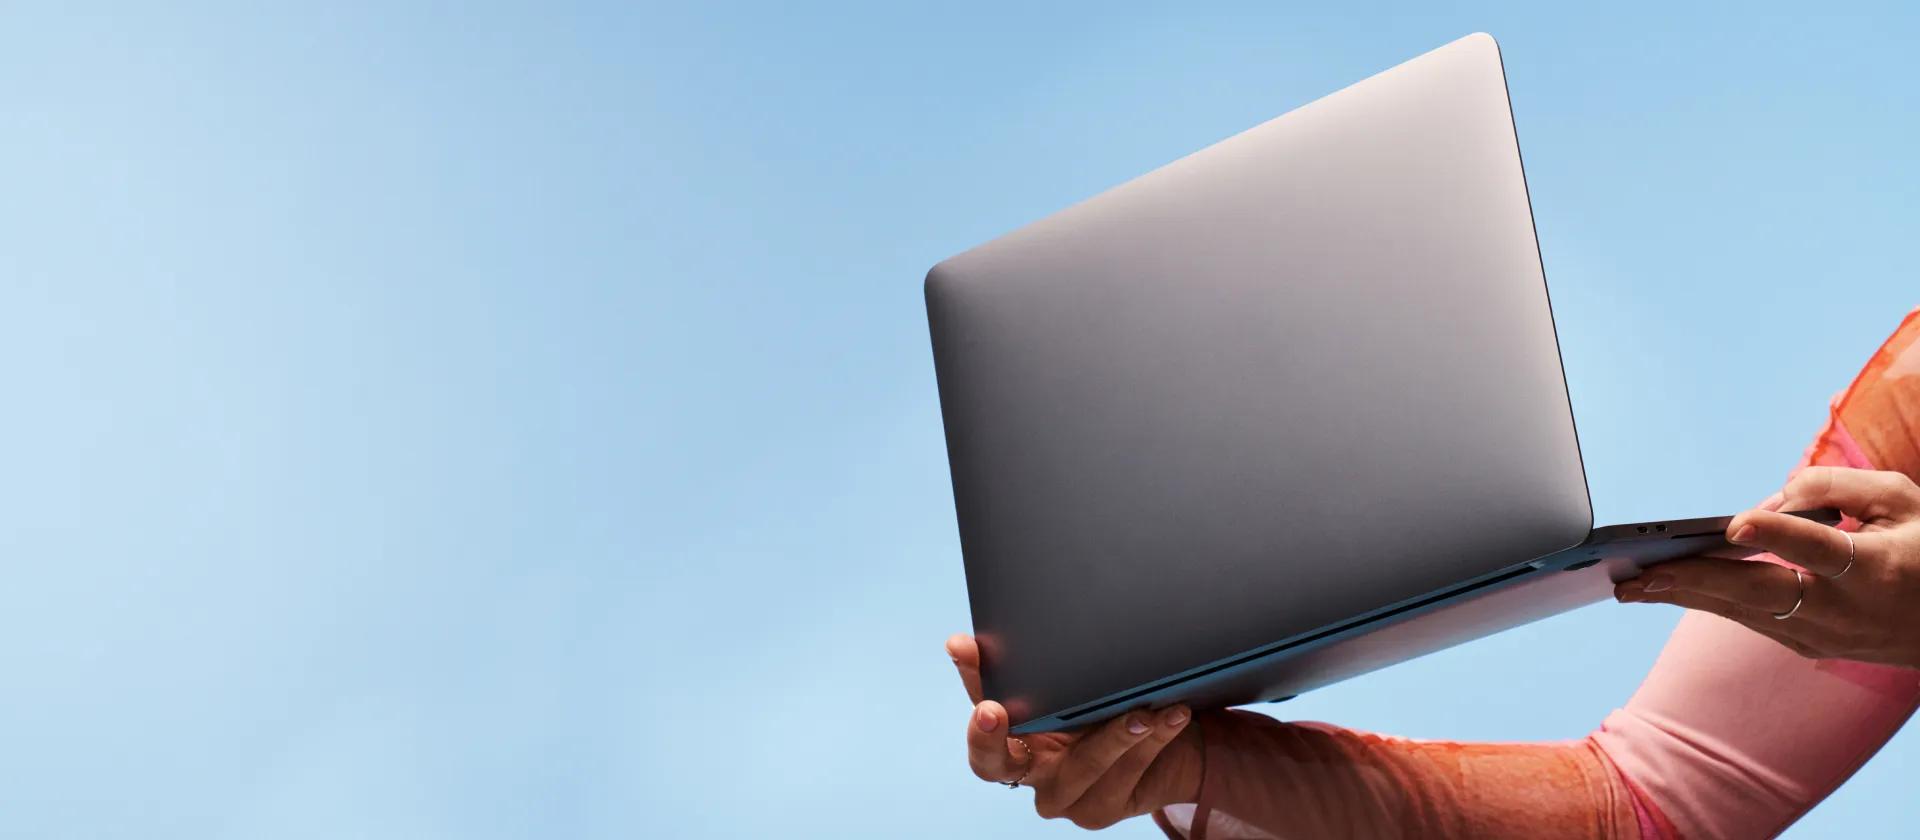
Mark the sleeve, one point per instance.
(1730, 735)
(1268, 779)
(1734, 736)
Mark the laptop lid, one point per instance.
(1298, 376)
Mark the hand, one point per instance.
(1125, 767)
(1868, 611)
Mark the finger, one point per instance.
(989, 751)
(1724, 551)
(966, 658)
(1114, 796)
(1629, 592)
(1763, 587)
(1866, 495)
(1089, 759)
(1820, 549)
(1780, 632)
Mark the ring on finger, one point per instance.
(1801, 579)
(1853, 553)
(1015, 784)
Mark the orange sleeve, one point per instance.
(1881, 409)
(1265, 778)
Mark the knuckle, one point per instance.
(1809, 480)
(1888, 573)
(1046, 805)
(1096, 814)
(1090, 823)
(1907, 493)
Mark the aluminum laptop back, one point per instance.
(1305, 375)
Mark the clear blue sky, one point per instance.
(465, 420)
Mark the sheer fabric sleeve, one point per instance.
(1734, 736)
(1730, 735)
(1268, 779)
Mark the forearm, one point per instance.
(1733, 735)
(1267, 778)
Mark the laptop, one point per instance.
(1282, 412)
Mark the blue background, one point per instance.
(468, 420)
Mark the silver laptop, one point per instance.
(1284, 411)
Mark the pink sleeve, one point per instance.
(1733, 735)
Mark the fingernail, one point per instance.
(1627, 593)
(1743, 535)
(1176, 716)
(988, 721)
(1774, 502)
(1658, 583)
(1137, 726)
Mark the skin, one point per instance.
(1865, 614)
(1095, 777)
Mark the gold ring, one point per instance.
(1015, 784)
